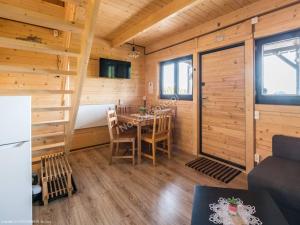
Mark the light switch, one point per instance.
(256, 115)
(257, 158)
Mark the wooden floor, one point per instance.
(121, 194)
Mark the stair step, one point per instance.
(14, 92)
(55, 108)
(12, 43)
(52, 122)
(36, 160)
(47, 135)
(34, 70)
(28, 16)
(48, 146)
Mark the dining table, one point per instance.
(129, 120)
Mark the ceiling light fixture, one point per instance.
(134, 53)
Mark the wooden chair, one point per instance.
(161, 133)
(117, 137)
(123, 109)
(170, 110)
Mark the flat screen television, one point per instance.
(110, 68)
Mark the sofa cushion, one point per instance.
(286, 147)
(281, 177)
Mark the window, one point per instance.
(278, 69)
(176, 78)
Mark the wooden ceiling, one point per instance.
(144, 21)
(117, 16)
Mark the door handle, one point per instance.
(13, 145)
(204, 98)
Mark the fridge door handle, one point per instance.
(13, 145)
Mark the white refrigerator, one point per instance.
(15, 160)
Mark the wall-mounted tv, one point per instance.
(110, 68)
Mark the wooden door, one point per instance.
(223, 105)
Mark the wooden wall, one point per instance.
(109, 91)
(273, 119)
(184, 119)
(33, 82)
(187, 129)
(287, 117)
(96, 90)
(276, 119)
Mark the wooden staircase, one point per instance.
(53, 135)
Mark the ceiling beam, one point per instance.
(39, 19)
(166, 11)
(255, 9)
(76, 2)
(34, 70)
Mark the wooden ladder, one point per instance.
(61, 135)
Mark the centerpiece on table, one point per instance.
(142, 110)
(232, 211)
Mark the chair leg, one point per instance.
(169, 147)
(154, 153)
(111, 152)
(133, 153)
(118, 147)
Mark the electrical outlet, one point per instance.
(256, 115)
(55, 33)
(257, 158)
(220, 38)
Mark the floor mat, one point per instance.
(214, 169)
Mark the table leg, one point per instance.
(139, 142)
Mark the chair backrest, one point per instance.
(161, 124)
(112, 121)
(171, 110)
(124, 109)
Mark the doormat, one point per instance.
(214, 169)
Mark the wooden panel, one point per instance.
(250, 101)
(38, 6)
(229, 36)
(196, 96)
(19, 69)
(275, 119)
(36, 18)
(86, 44)
(184, 123)
(90, 137)
(223, 105)
(199, 13)
(213, 24)
(279, 21)
(172, 8)
(108, 91)
(117, 16)
(34, 47)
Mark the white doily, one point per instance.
(221, 215)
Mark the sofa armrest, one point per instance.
(286, 147)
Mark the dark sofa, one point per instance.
(280, 176)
